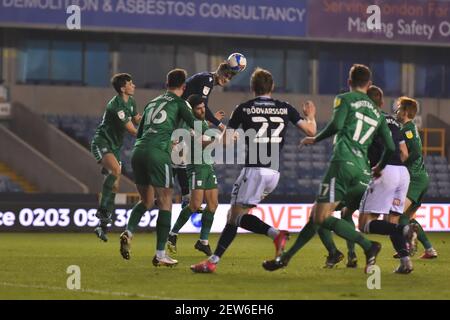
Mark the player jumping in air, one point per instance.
(268, 119)
(151, 162)
(202, 84)
(356, 121)
(120, 116)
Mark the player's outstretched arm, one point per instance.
(209, 116)
(308, 125)
(336, 123)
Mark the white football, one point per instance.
(237, 62)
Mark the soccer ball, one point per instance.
(237, 62)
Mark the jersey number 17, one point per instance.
(363, 119)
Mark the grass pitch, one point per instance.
(33, 266)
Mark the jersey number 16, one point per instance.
(156, 115)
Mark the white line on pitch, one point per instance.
(93, 291)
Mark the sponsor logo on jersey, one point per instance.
(199, 183)
(396, 202)
(121, 115)
(206, 90)
(391, 120)
(337, 102)
(366, 104)
(409, 134)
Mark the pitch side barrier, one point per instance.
(76, 213)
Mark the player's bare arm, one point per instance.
(131, 128)
(333, 127)
(137, 119)
(308, 126)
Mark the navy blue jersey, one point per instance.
(201, 83)
(377, 147)
(264, 121)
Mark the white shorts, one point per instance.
(388, 193)
(253, 185)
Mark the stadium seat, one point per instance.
(319, 168)
(430, 167)
(440, 160)
(441, 168)
(300, 169)
(433, 193)
(305, 165)
(443, 184)
(316, 183)
(289, 156)
(304, 183)
(442, 177)
(305, 156)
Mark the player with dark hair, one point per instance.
(202, 183)
(264, 121)
(356, 121)
(151, 162)
(120, 116)
(418, 186)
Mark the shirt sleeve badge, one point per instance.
(337, 102)
(121, 115)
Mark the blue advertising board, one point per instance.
(251, 17)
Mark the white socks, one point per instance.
(214, 259)
(160, 254)
(273, 233)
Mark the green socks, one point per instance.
(327, 239)
(308, 231)
(136, 214)
(403, 220)
(350, 244)
(111, 203)
(421, 236)
(345, 230)
(182, 219)
(207, 221)
(162, 229)
(107, 193)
